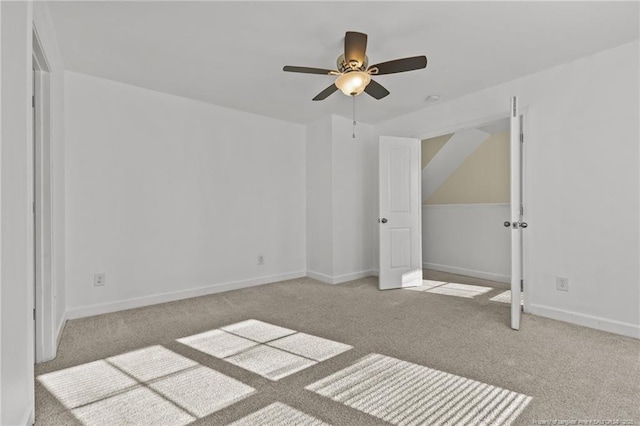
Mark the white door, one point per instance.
(400, 213)
(516, 221)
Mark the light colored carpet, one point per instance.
(278, 414)
(403, 393)
(266, 349)
(309, 346)
(451, 289)
(505, 297)
(153, 385)
(570, 372)
(269, 362)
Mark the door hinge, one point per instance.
(34, 314)
(521, 210)
(33, 101)
(522, 137)
(521, 285)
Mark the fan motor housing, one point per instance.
(343, 66)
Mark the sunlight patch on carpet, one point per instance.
(460, 290)
(218, 343)
(426, 285)
(271, 363)
(505, 297)
(201, 390)
(309, 346)
(257, 330)
(282, 353)
(404, 393)
(278, 414)
(86, 383)
(139, 406)
(151, 386)
(150, 363)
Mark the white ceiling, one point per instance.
(232, 53)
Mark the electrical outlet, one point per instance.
(260, 260)
(99, 279)
(562, 284)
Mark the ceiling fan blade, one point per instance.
(355, 47)
(376, 90)
(325, 93)
(308, 70)
(401, 65)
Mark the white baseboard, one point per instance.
(353, 276)
(612, 326)
(340, 278)
(320, 277)
(468, 272)
(155, 299)
(60, 329)
(28, 417)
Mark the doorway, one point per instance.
(459, 214)
(465, 200)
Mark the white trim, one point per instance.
(338, 279)
(45, 343)
(599, 323)
(466, 206)
(320, 277)
(61, 325)
(28, 417)
(468, 272)
(137, 302)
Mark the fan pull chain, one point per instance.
(353, 135)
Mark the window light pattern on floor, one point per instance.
(269, 350)
(150, 386)
(505, 297)
(426, 285)
(451, 289)
(404, 393)
(278, 414)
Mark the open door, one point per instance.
(516, 221)
(400, 219)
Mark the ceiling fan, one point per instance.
(354, 73)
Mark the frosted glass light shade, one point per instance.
(353, 83)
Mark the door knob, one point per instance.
(523, 224)
(507, 224)
(383, 220)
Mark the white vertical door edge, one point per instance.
(516, 216)
(400, 215)
(45, 332)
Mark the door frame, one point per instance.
(524, 111)
(41, 195)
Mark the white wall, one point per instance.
(581, 182)
(319, 196)
(467, 239)
(16, 275)
(173, 198)
(17, 21)
(341, 200)
(355, 209)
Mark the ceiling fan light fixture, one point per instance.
(353, 83)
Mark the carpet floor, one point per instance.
(304, 352)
